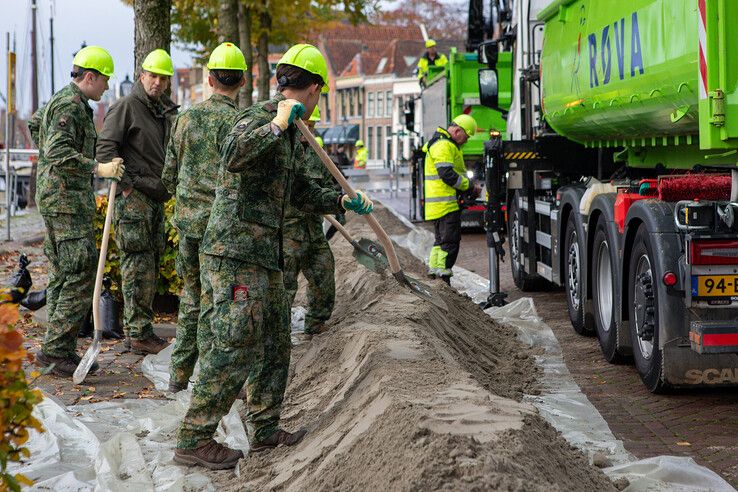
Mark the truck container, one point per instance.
(619, 176)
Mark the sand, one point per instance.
(400, 395)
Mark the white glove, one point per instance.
(113, 169)
(287, 111)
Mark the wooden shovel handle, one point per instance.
(376, 227)
(339, 228)
(101, 261)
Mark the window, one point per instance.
(369, 141)
(380, 106)
(380, 142)
(325, 115)
(343, 103)
(351, 102)
(360, 100)
(388, 100)
(388, 144)
(370, 105)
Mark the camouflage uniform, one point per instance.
(306, 250)
(243, 292)
(65, 135)
(137, 129)
(190, 173)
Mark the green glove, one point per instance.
(362, 205)
(287, 111)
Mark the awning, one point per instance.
(341, 134)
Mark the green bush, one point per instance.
(168, 282)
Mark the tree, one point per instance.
(228, 21)
(246, 96)
(443, 19)
(152, 28)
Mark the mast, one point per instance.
(34, 59)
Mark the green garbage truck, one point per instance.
(617, 177)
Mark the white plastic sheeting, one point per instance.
(562, 402)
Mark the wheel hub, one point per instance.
(643, 307)
(573, 260)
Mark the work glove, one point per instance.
(113, 169)
(287, 111)
(362, 205)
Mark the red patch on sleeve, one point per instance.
(240, 293)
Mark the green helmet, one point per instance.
(316, 114)
(307, 57)
(359, 143)
(95, 58)
(158, 62)
(319, 139)
(227, 56)
(467, 123)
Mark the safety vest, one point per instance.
(439, 61)
(441, 152)
(360, 159)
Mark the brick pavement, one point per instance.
(702, 424)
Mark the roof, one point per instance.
(376, 50)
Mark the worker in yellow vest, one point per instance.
(445, 174)
(431, 58)
(361, 155)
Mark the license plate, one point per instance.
(715, 285)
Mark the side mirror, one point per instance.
(487, 53)
(488, 88)
(409, 113)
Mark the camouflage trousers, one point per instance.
(245, 319)
(184, 355)
(312, 257)
(70, 248)
(139, 234)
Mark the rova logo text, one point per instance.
(615, 34)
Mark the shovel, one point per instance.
(416, 287)
(366, 251)
(92, 352)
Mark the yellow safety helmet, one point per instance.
(467, 123)
(359, 143)
(95, 58)
(227, 56)
(307, 57)
(158, 62)
(430, 43)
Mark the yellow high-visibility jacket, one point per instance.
(445, 173)
(360, 159)
(439, 61)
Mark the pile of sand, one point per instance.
(402, 395)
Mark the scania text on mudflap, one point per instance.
(618, 174)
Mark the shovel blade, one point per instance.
(370, 254)
(420, 289)
(86, 363)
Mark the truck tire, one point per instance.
(573, 286)
(523, 281)
(643, 293)
(603, 294)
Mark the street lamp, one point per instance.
(125, 87)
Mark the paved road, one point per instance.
(702, 424)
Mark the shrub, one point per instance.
(17, 399)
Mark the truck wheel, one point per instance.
(523, 281)
(573, 251)
(644, 315)
(603, 295)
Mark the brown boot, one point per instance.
(279, 438)
(209, 454)
(150, 345)
(61, 366)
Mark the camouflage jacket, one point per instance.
(193, 158)
(65, 135)
(307, 226)
(258, 176)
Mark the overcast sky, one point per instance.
(108, 23)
